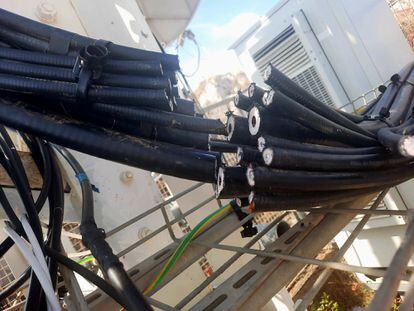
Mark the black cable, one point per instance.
(282, 106)
(134, 152)
(269, 141)
(19, 178)
(94, 239)
(162, 118)
(75, 42)
(278, 81)
(56, 210)
(313, 161)
(87, 274)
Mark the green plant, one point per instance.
(326, 304)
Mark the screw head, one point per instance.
(127, 176)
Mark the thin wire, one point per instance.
(35, 245)
(53, 303)
(86, 260)
(183, 245)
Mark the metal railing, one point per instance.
(317, 220)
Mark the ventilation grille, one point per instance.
(287, 54)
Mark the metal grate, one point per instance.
(287, 53)
(309, 79)
(73, 227)
(6, 277)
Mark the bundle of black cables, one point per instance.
(111, 101)
(101, 98)
(119, 287)
(293, 151)
(122, 104)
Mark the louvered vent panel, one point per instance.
(287, 54)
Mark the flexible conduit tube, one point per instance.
(134, 152)
(115, 95)
(23, 41)
(256, 93)
(45, 32)
(222, 146)
(145, 68)
(161, 118)
(247, 155)
(66, 74)
(184, 106)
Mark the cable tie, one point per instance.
(81, 177)
(88, 66)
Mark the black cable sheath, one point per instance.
(278, 81)
(87, 274)
(38, 30)
(162, 118)
(94, 239)
(270, 141)
(311, 161)
(282, 106)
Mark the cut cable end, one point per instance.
(406, 146)
(268, 156)
(254, 121)
(250, 176)
(261, 143)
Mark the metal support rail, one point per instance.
(152, 210)
(323, 277)
(273, 267)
